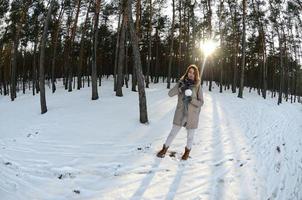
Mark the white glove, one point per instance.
(188, 92)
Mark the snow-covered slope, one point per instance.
(246, 148)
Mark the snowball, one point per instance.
(188, 92)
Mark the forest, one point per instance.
(78, 43)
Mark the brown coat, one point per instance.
(193, 108)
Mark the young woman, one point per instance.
(190, 100)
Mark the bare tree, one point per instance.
(138, 66)
(240, 93)
(121, 52)
(94, 85)
(171, 54)
(149, 44)
(42, 59)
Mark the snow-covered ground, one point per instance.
(246, 148)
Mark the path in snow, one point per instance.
(243, 149)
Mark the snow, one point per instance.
(246, 148)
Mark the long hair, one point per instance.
(196, 74)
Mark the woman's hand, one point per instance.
(180, 83)
(181, 86)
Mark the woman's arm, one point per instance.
(198, 102)
(175, 90)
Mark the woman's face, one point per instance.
(191, 74)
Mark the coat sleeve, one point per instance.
(198, 102)
(174, 91)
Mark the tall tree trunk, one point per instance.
(240, 93)
(2, 81)
(296, 74)
(273, 64)
(286, 74)
(73, 33)
(264, 67)
(2, 67)
(193, 54)
(221, 44)
(34, 67)
(138, 31)
(121, 56)
(13, 93)
(80, 65)
(126, 78)
(15, 52)
(171, 54)
(42, 59)
(23, 71)
(157, 57)
(234, 46)
(187, 26)
(149, 45)
(281, 81)
(67, 47)
(179, 40)
(235, 67)
(55, 45)
(117, 46)
(209, 7)
(262, 52)
(94, 85)
(138, 66)
(53, 68)
(138, 18)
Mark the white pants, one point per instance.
(175, 129)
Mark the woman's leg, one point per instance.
(190, 137)
(175, 129)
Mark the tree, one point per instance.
(138, 31)
(42, 59)
(82, 43)
(35, 31)
(149, 44)
(69, 46)
(19, 15)
(235, 41)
(240, 93)
(3, 10)
(222, 41)
(209, 35)
(171, 54)
(278, 26)
(138, 66)
(117, 45)
(56, 32)
(94, 57)
(121, 51)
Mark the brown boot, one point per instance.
(186, 154)
(162, 152)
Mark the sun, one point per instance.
(208, 47)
